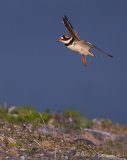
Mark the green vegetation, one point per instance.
(24, 114)
(76, 120)
(107, 123)
(69, 118)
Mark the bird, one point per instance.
(72, 41)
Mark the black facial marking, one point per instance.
(66, 38)
(72, 40)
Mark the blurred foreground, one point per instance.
(28, 134)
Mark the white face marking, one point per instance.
(65, 41)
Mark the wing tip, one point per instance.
(110, 55)
(65, 17)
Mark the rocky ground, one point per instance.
(60, 139)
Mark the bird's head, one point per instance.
(65, 39)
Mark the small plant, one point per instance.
(107, 123)
(71, 113)
(3, 113)
(45, 116)
(76, 120)
(24, 114)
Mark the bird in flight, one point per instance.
(74, 43)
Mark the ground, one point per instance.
(26, 134)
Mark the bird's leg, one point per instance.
(84, 60)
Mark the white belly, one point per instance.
(78, 48)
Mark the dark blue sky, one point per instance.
(37, 70)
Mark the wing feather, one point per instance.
(102, 51)
(90, 46)
(69, 28)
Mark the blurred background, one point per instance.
(38, 71)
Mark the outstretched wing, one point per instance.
(90, 46)
(73, 33)
(102, 51)
(69, 28)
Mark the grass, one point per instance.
(69, 118)
(113, 148)
(24, 114)
(76, 120)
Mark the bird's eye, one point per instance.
(64, 37)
